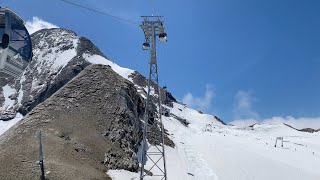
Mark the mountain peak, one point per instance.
(58, 56)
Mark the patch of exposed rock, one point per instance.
(154, 131)
(309, 130)
(90, 125)
(142, 81)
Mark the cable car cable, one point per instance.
(100, 12)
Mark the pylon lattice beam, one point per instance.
(155, 154)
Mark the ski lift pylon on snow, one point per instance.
(16, 47)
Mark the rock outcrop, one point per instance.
(90, 125)
(309, 130)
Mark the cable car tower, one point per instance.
(15, 46)
(152, 27)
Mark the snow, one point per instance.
(56, 59)
(122, 175)
(97, 59)
(235, 153)
(5, 125)
(229, 153)
(37, 24)
(62, 59)
(20, 96)
(8, 91)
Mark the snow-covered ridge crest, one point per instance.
(97, 59)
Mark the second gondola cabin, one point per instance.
(16, 47)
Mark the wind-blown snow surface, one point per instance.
(232, 153)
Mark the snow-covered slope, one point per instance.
(224, 152)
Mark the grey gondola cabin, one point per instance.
(146, 46)
(16, 48)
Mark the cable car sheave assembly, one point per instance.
(16, 47)
(147, 26)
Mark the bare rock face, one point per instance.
(153, 135)
(90, 125)
(309, 130)
(142, 81)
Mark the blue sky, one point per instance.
(248, 59)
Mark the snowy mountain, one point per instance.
(91, 114)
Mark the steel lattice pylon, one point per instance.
(155, 154)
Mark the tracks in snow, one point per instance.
(197, 165)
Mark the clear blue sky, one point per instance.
(258, 58)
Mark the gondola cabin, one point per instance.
(146, 46)
(16, 48)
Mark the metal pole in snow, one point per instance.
(41, 164)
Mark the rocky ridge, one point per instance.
(92, 121)
(309, 130)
